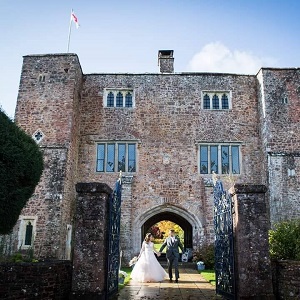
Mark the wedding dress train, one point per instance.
(147, 268)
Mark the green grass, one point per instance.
(157, 247)
(209, 275)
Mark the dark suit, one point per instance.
(172, 254)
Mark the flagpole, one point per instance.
(70, 26)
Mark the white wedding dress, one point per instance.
(147, 268)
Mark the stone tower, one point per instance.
(47, 109)
(279, 95)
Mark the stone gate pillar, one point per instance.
(90, 241)
(251, 224)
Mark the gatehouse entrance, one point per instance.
(175, 218)
(190, 223)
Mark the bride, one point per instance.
(147, 268)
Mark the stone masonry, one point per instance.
(167, 123)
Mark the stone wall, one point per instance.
(48, 102)
(286, 279)
(167, 123)
(41, 280)
(279, 98)
(251, 224)
(90, 241)
(284, 186)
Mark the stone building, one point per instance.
(167, 132)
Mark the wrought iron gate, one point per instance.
(113, 259)
(224, 243)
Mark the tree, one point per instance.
(21, 166)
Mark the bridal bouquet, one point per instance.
(133, 261)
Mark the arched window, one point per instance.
(215, 102)
(128, 100)
(206, 102)
(110, 100)
(28, 234)
(119, 100)
(225, 103)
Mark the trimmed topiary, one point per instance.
(285, 240)
(21, 166)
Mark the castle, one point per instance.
(167, 132)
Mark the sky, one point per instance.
(118, 36)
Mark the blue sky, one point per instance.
(125, 36)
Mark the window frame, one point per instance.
(220, 163)
(212, 95)
(116, 144)
(22, 231)
(116, 92)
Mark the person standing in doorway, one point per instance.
(173, 244)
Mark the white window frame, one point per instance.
(115, 92)
(22, 231)
(115, 143)
(219, 94)
(219, 145)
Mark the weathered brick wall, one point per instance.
(286, 279)
(52, 107)
(42, 280)
(167, 122)
(279, 107)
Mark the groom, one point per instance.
(172, 242)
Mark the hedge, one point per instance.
(21, 166)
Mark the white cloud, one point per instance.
(216, 57)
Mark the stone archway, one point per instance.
(170, 216)
(187, 220)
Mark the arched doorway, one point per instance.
(170, 216)
(187, 220)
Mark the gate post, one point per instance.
(90, 246)
(251, 224)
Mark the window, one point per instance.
(119, 101)
(221, 159)
(115, 157)
(216, 100)
(128, 100)
(38, 136)
(26, 232)
(110, 100)
(206, 102)
(225, 103)
(115, 98)
(42, 78)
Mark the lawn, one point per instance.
(157, 247)
(209, 275)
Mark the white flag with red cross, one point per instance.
(74, 19)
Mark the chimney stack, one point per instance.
(166, 61)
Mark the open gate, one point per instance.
(113, 259)
(224, 243)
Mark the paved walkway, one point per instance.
(191, 286)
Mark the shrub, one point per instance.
(284, 240)
(205, 253)
(21, 166)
